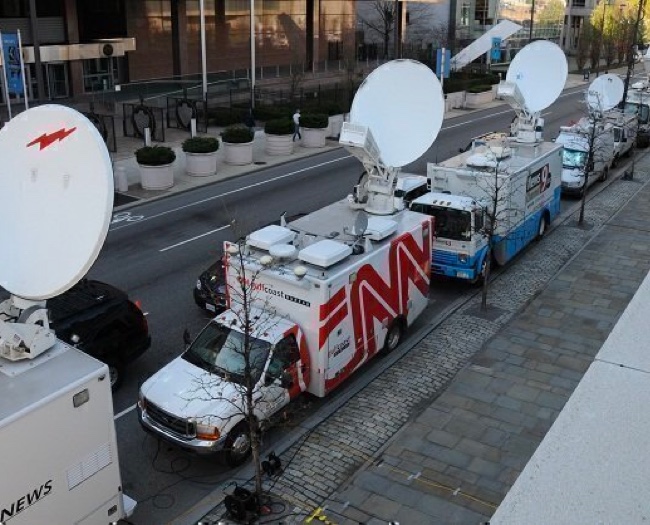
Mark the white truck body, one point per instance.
(462, 189)
(575, 140)
(625, 131)
(328, 301)
(59, 449)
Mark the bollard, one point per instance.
(585, 74)
(193, 127)
(121, 182)
(147, 136)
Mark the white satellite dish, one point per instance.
(539, 70)
(56, 182)
(402, 104)
(605, 92)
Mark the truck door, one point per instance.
(283, 364)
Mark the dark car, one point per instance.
(103, 322)
(210, 289)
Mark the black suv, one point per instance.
(103, 322)
(210, 289)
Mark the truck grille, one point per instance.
(443, 257)
(179, 426)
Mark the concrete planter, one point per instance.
(474, 100)
(201, 164)
(238, 154)
(314, 137)
(279, 144)
(335, 125)
(156, 177)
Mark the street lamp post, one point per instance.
(252, 54)
(204, 69)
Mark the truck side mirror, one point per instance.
(187, 338)
(286, 381)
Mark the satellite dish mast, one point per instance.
(604, 93)
(395, 117)
(535, 79)
(56, 180)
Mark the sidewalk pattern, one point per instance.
(456, 459)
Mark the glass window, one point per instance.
(455, 225)
(285, 354)
(572, 158)
(221, 350)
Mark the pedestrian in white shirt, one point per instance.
(296, 125)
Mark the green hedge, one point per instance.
(237, 134)
(314, 120)
(227, 117)
(479, 88)
(200, 145)
(279, 126)
(155, 155)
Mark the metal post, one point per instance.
(442, 68)
(33, 18)
(252, 54)
(630, 53)
(204, 66)
(532, 20)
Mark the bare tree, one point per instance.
(381, 20)
(597, 153)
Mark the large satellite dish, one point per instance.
(539, 70)
(605, 92)
(56, 182)
(402, 104)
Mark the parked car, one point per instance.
(210, 289)
(102, 321)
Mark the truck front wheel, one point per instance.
(238, 445)
(393, 337)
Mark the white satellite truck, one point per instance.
(598, 132)
(329, 291)
(58, 448)
(524, 167)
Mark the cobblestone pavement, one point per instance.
(442, 435)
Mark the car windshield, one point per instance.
(632, 108)
(572, 158)
(221, 350)
(455, 225)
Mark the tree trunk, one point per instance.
(486, 277)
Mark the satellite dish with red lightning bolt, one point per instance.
(48, 138)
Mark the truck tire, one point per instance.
(604, 175)
(116, 375)
(541, 229)
(478, 280)
(393, 337)
(238, 445)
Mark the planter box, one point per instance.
(474, 100)
(335, 125)
(238, 154)
(314, 137)
(156, 177)
(279, 144)
(201, 164)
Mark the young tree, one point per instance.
(380, 17)
(584, 45)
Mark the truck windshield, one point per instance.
(572, 158)
(220, 350)
(632, 108)
(455, 225)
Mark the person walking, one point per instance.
(296, 125)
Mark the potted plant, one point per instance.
(314, 128)
(478, 95)
(201, 156)
(156, 167)
(279, 133)
(238, 145)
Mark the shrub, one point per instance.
(279, 126)
(155, 155)
(334, 108)
(227, 117)
(200, 145)
(314, 120)
(237, 134)
(479, 88)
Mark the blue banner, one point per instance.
(439, 65)
(12, 63)
(495, 52)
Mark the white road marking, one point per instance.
(194, 238)
(125, 412)
(232, 192)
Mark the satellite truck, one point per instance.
(524, 167)
(58, 452)
(603, 132)
(332, 289)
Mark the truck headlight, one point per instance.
(142, 401)
(207, 432)
(463, 258)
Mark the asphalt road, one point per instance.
(158, 255)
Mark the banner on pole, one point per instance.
(12, 62)
(495, 52)
(443, 63)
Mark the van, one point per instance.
(625, 131)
